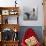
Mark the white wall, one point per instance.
(36, 4)
(26, 4)
(7, 3)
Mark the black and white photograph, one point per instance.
(32, 15)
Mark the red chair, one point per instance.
(29, 33)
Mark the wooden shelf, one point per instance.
(4, 24)
(10, 26)
(5, 8)
(6, 13)
(9, 43)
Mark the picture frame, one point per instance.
(5, 12)
(31, 15)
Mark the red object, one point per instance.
(29, 33)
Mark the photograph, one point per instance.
(32, 15)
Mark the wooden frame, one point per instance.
(5, 12)
(31, 15)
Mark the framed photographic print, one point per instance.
(32, 15)
(5, 12)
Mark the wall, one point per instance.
(7, 3)
(30, 4)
